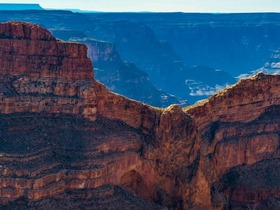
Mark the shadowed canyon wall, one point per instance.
(67, 142)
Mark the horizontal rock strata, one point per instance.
(240, 129)
(30, 50)
(67, 142)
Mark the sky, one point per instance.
(223, 6)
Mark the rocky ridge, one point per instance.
(124, 77)
(233, 43)
(65, 137)
(240, 138)
(118, 75)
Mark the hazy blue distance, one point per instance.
(223, 6)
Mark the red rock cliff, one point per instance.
(240, 137)
(30, 50)
(66, 141)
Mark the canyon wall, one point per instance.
(240, 142)
(67, 142)
(63, 130)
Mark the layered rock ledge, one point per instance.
(30, 50)
(67, 142)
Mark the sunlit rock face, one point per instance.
(32, 51)
(62, 132)
(240, 143)
(67, 142)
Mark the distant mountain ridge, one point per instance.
(8, 6)
(189, 56)
(231, 42)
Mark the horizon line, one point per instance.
(77, 10)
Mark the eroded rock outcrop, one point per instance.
(240, 142)
(124, 77)
(67, 142)
(30, 50)
(61, 130)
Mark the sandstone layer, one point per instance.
(239, 127)
(67, 142)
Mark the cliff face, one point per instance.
(32, 51)
(167, 46)
(124, 77)
(138, 44)
(240, 142)
(67, 142)
(235, 43)
(119, 76)
(62, 131)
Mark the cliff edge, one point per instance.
(67, 142)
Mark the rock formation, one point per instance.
(67, 142)
(167, 46)
(119, 76)
(240, 142)
(124, 77)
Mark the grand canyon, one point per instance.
(67, 142)
(166, 58)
